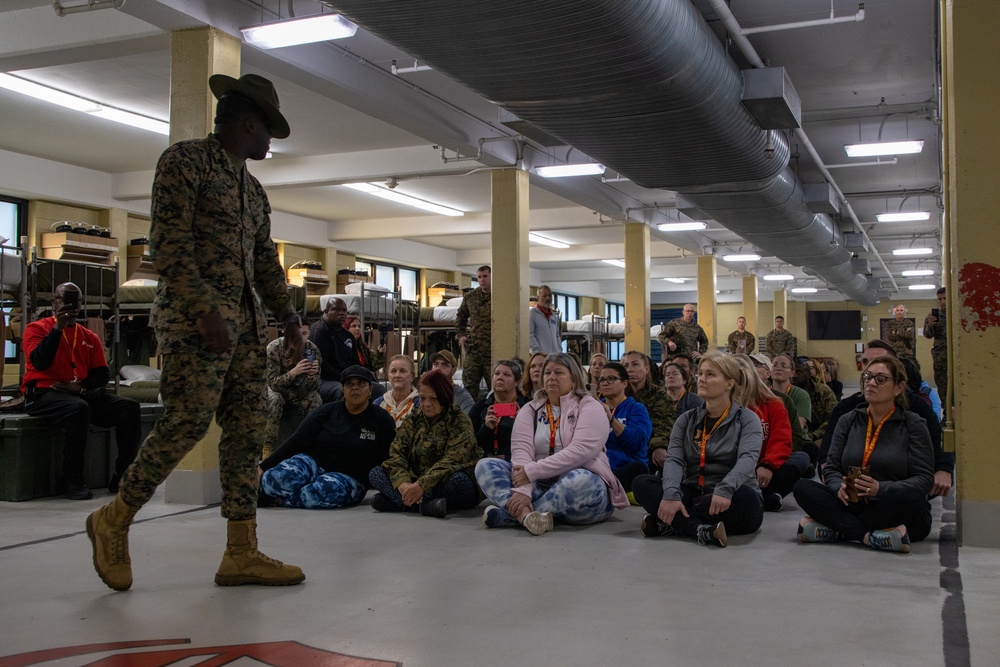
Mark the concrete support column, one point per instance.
(194, 56)
(637, 287)
(707, 286)
(974, 279)
(780, 304)
(750, 305)
(509, 227)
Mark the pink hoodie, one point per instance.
(583, 428)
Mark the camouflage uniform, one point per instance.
(662, 412)
(733, 344)
(687, 336)
(475, 320)
(780, 342)
(823, 402)
(428, 452)
(900, 334)
(301, 391)
(211, 244)
(939, 353)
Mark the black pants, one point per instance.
(744, 515)
(783, 479)
(627, 472)
(458, 489)
(897, 506)
(76, 413)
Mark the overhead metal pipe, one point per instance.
(92, 5)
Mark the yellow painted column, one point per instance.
(509, 227)
(750, 306)
(974, 277)
(637, 287)
(707, 286)
(194, 56)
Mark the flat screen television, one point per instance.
(833, 324)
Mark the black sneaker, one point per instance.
(77, 491)
(772, 502)
(437, 508)
(709, 533)
(382, 504)
(651, 526)
(264, 500)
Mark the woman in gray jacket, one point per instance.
(709, 487)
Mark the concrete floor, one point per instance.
(429, 592)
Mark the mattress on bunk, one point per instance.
(133, 294)
(380, 305)
(11, 270)
(440, 314)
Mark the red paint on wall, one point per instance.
(979, 285)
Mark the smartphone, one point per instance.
(504, 409)
(310, 354)
(71, 299)
(936, 312)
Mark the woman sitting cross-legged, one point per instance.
(326, 462)
(431, 459)
(631, 427)
(709, 486)
(558, 469)
(493, 415)
(878, 473)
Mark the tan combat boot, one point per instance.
(107, 529)
(243, 564)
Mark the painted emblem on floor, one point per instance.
(274, 654)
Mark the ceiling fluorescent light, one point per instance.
(914, 216)
(779, 276)
(910, 252)
(692, 226)
(922, 287)
(47, 94)
(400, 198)
(750, 257)
(318, 28)
(804, 290)
(615, 262)
(133, 119)
(884, 148)
(564, 170)
(677, 281)
(913, 273)
(532, 236)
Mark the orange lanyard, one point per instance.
(683, 391)
(553, 427)
(72, 349)
(788, 389)
(705, 435)
(870, 439)
(409, 404)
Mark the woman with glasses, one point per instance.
(709, 487)
(493, 415)
(676, 379)
(878, 473)
(631, 427)
(558, 469)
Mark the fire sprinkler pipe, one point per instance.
(90, 6)
(857, 17)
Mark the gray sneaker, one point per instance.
(709, 533)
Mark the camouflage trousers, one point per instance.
(941, 377)
(276, 404)
(476, 367)
(196, 386)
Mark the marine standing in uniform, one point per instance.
(936, 328)
(211, 244)
(780, 340)
(741, 341)
(684, 335)
(899, 333)
(475, 329)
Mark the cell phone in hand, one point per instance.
(504, 409)
(310, 354)
(71, 299)
(936, 312)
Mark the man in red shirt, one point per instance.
(65, 379)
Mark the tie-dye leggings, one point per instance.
(300, 482)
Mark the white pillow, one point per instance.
(144, 373)
(355, 288)
(589, 317)
(454, 303)
(139, 282)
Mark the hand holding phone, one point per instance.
(505, 409)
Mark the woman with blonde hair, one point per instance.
(597, 361)
(402, 398)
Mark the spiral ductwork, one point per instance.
(644, 86)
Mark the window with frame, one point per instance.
(569, 307)
(615, 313)
(390, 276)
(13, 215)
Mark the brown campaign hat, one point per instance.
(258, 90)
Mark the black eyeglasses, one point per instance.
(609, 379)
(880, 379)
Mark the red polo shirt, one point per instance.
(79, 350)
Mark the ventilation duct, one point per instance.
(643, 86)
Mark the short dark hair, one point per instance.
(882, 345)
(683, 355)
(622, 375)
(780, 317)
(941, 290)
(484, 267)
(442, 387)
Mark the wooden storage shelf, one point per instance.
(436, 296)
(79, 247)
(138, 263)
(314, 280)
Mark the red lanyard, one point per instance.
(409, 404)
(870, 439)
(705, 435)
(72, 349)
(553, 427)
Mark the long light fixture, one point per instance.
(884, 148)
(53, 96)
(692, 226)
(779, 276)
(532, 236)
(564, 170)
(804, 290)
(913, 216)
(306, 30)
(922, 287)
(615, 262)
(676, 281)
(912, 252)
(749, 257)
(400, 198)
(914, 273)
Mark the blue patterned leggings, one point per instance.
(458, 490)
(300, 482)
(578, 497)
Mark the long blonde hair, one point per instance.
(750, 389)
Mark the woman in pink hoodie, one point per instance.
(558, 468)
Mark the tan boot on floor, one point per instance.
(243, 564)
(107, 529)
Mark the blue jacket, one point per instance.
(631, 444)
